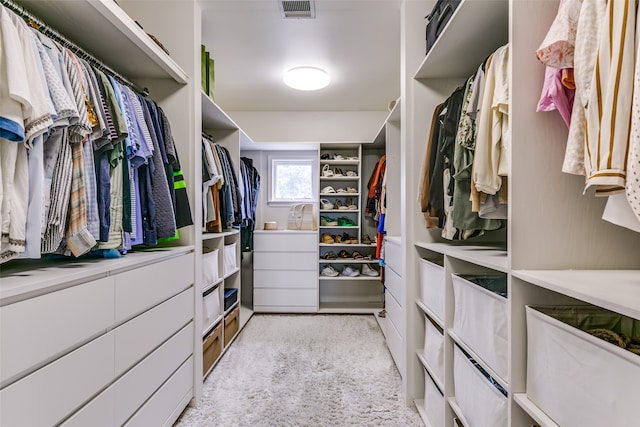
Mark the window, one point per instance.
(293, 178)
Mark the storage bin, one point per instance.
(480, 318)
(481, 403)
(432, 287)
(211, 348)
(230, 264)
(434, 349)
(210, 267)
(230, 298)
(433, 402)
(576, 378)
(231, 325)
(210, 307)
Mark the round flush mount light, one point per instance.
(306, 78)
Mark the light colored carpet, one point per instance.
(304, 370)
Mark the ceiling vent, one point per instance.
(297, 9)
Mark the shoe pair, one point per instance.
(345, 222)
(328, 221)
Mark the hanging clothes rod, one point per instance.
(37, 24)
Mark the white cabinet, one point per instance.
(108, 337)
(285, 275)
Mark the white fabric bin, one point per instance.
(210, 308)
(434, 349)
(575, 378)
(229, 253)
(433, 402)
(481, 403)
(210, 267)
(432, 287)
(480, 318)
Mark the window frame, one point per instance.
(304, 159)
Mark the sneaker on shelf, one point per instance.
(341, 191)
(328, 221)
(366, 240)
(351, 190)
(345, 222)
(329, 271)
(338, 157)
(326, 156)
(327, 238)
(368, 271)
(350, 272)
(327, 172)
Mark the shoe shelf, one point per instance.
(340, 162)
(360, 278)
(340, 210)
(339, 178)
(348, 261)
(339, 226)
(339, 194)
(352, 245)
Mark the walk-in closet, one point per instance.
(443, 231)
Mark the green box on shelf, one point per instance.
(204, 62)
(211, 77)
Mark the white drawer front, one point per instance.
(139, 289)
(393, 256)
(394, 285)
(285, 261)
(165, 402)
(139, 336)
(297, 279)
(57, 389)
(286, 297)
(395, 313)
(395, 344)
(37, 329)
(97, 413)
(142, 381)
(285, 242)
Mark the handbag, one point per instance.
(436, 21)
(302, 217)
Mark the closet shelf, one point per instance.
(424, 363)
(231, 273)
(350, 279)
(530, 408)
(212, 285)
(456, 409)
(76, 20)
(348, 261)
(340, 178)
(213, 117)
(211, 326)
(484, 22)
(339, 195)
(615, 290)
(340, 162)
(207, 236)
(492, 257)
(349, 307)
(28, 278)
(423, 414)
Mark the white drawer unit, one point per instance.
(285, 271)
(96, 352)
(394, 285)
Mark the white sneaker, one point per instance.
(368, 271)
(350, 272)
(329, 271)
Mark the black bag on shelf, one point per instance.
(438, 18)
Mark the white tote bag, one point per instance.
(302, 217)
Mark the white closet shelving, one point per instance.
(556, 249)
(346, 294)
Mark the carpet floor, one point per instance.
(304, 370)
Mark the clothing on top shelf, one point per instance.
(86, 162)
(463, 184)
(591, 47)
(251, 184)
(375, 202)
(221, 189)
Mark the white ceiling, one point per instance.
(356, 41)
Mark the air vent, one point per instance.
(296, 9)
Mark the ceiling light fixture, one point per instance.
(306, 78)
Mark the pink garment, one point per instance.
(556, 96)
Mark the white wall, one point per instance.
(310, 126)
(264, 212)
